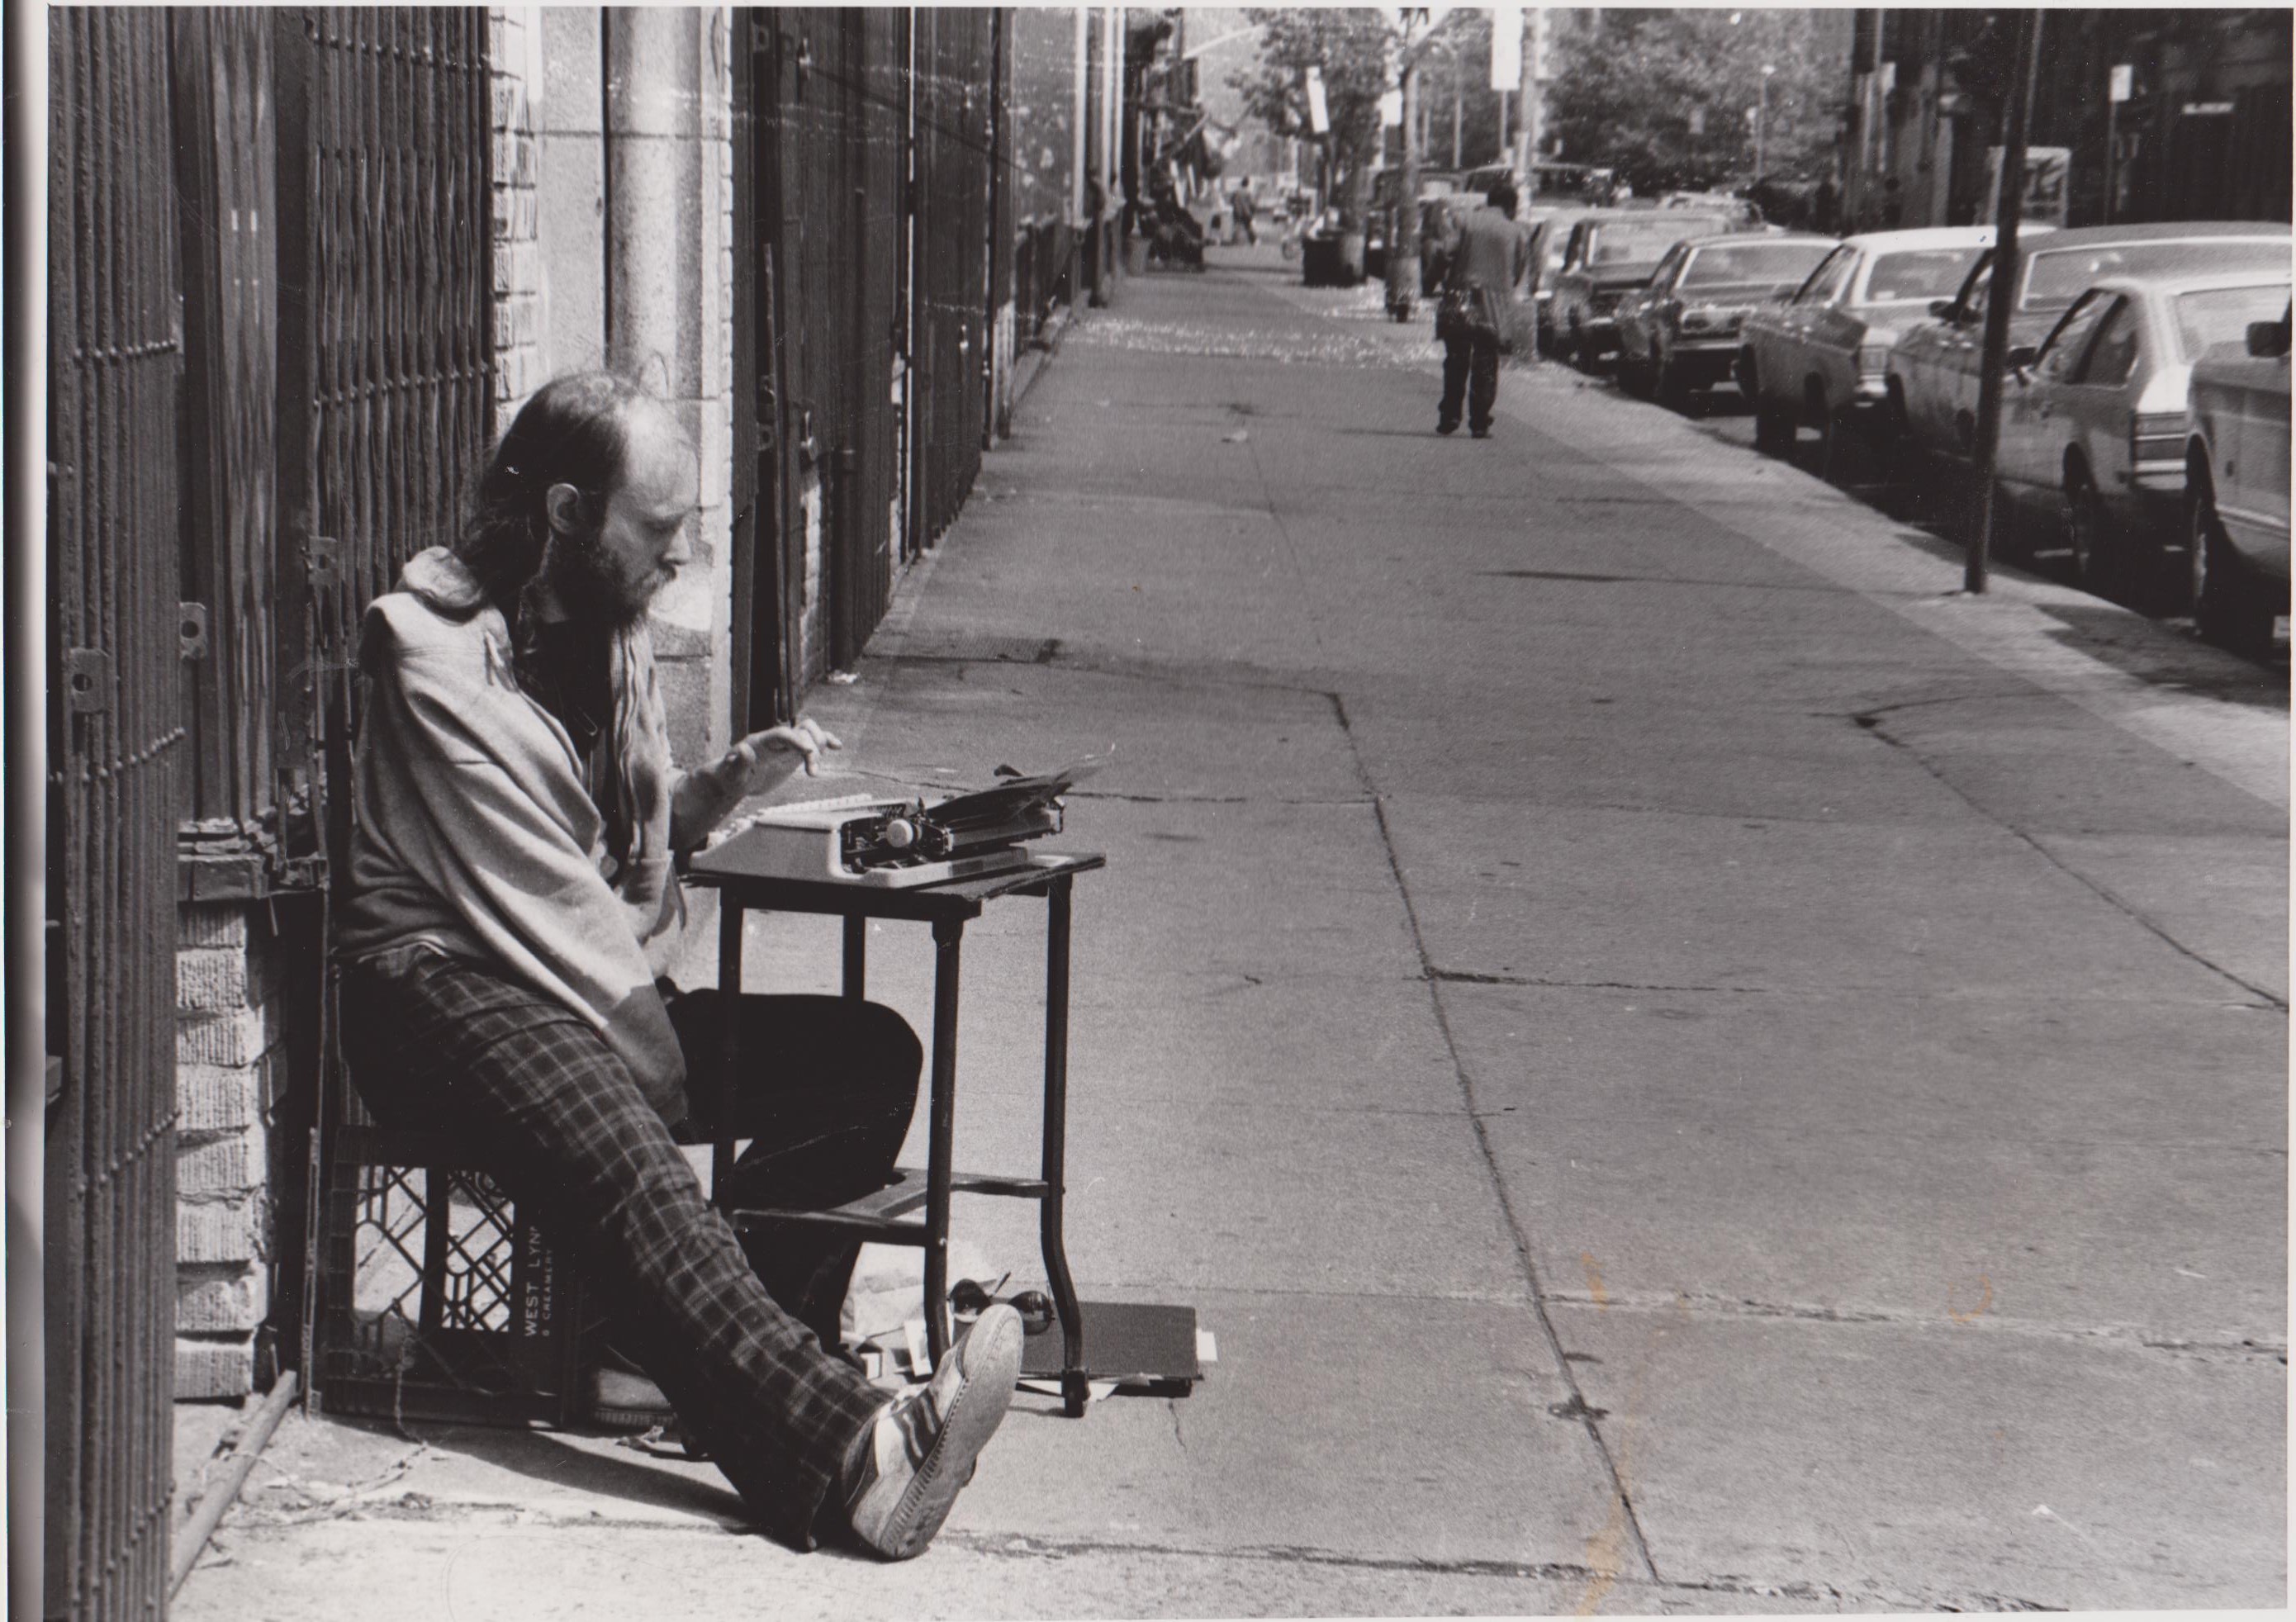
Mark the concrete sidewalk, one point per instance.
(1686, 1069)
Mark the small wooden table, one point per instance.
(884, 1216)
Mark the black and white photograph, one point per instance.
(1044, 812)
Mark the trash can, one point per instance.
(1319, 259)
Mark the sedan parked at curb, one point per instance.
(1550, 235)
(1821, 358)
(1607, 257)
(1934, 370)
(1680, 333)
(2236, 482)
(2093, 420)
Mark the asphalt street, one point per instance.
(1688, 1067)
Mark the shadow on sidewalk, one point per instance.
(593, 1464)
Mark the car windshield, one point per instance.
(2053, 280)
(2222, 315)
(1754, 260)
(1919, 273)
(1637, 242)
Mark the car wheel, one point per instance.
(1666, 384)
(2097, 564)
(1773, 427)
(2226, 605)
(1829, 427)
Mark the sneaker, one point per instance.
(921, 1449)
(1480, 434)
(1451, 427)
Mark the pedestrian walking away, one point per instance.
(1488, 254)
(514, 905)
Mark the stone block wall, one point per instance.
(667, 93)
(521, 364)
(230, 1071)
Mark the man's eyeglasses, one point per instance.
(969, 1300)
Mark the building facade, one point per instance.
(2145, 115)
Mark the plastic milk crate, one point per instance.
(437, 1300)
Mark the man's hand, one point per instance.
(762, 760)
(757, 763)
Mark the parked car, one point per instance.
(1479, 183)
(1679, 332)
(2236, 483)
(1439, 218)
(2093, 420)
(1550, 235)
(1585, 185)
(1820, 357)
(1713, 202)
(1437, 188)
(1607, 255)
(1934, 370)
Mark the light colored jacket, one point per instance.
(476, 829)
(1490, 254)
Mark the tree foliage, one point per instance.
(1355, 49)
(1460, 60)
(1662, 96)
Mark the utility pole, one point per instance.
(1403, 233)
(2118, 86)
(1458, 106)
(2003, 285)
(1533, 83)
(1527, 101)
(1083, 101)
(1761, 122)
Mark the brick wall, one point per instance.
(230, 1070)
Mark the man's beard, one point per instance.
(592, 588)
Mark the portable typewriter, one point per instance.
(895, 843)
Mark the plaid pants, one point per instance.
(445, 1043)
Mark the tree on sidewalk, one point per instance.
(1353, 49)
(1662, 96)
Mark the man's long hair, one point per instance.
(575, 431)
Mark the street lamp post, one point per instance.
(1761, 119)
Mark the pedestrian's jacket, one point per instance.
(1489, 254)
(478, 832)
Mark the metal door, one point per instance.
(115, 365)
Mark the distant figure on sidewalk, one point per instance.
(1244, 213)
(1489, 254)
(514, 905)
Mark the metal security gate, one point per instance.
(822, 266)
(385, 308)
(869, 140)
(385, 366)
(115, 362)
(956, 130)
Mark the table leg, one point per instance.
(942, 1135)
(857, 957)
(730, 915)
(1055, 1243)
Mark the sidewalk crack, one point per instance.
(1624, 1513)
(1874, 721)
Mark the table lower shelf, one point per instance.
(883, 1216)
(1150, 1348)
